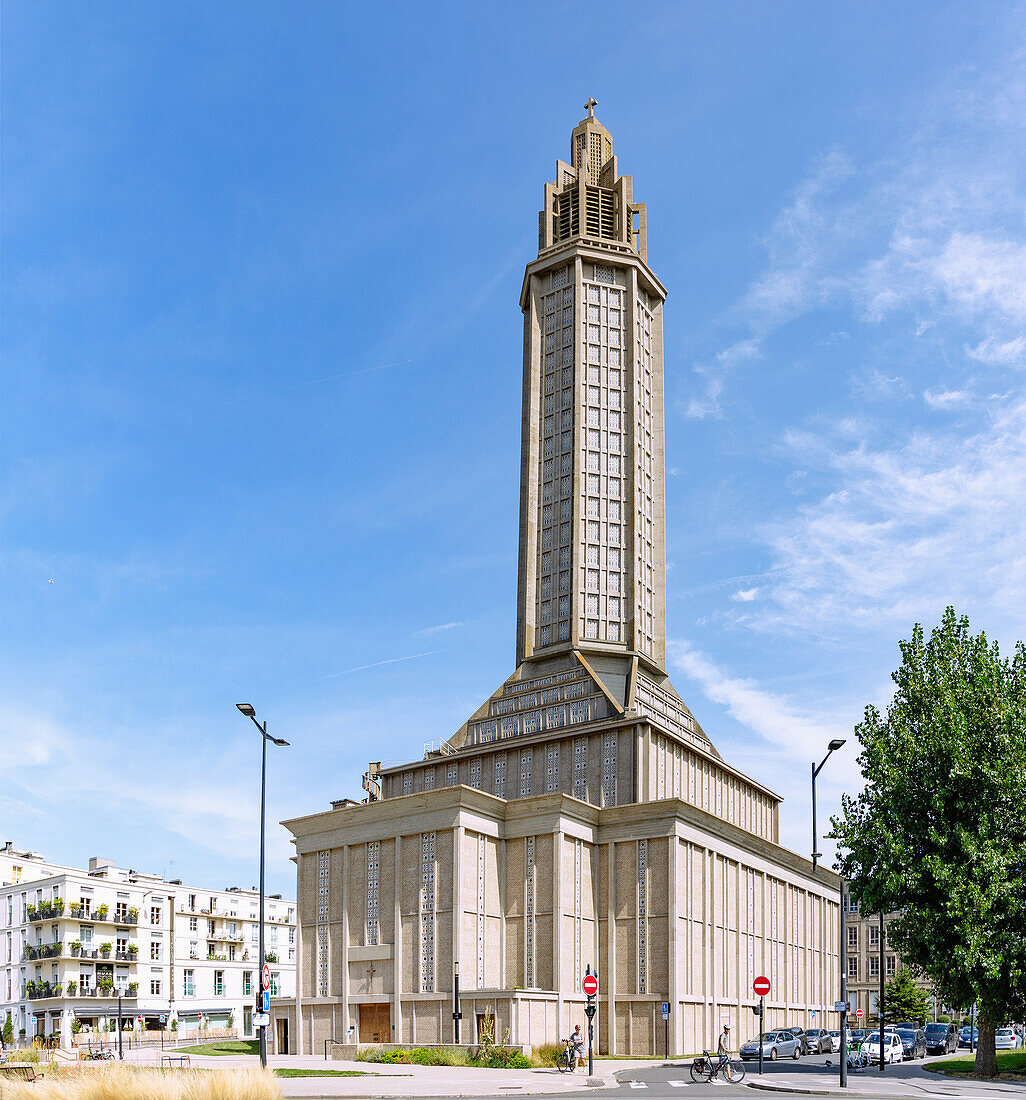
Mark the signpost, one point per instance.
(265, 1002)
(260, 1020)
(761, 986)
(858, 1014)
(265, 977)
(666, 1029)
(590, 987)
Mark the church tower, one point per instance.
(592, 514)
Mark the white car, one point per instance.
(1006, 1039)
(892, 1050)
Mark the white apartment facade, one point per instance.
(71, 940)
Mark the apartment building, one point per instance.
(869, 954)
(72, 940)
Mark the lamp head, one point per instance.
(247, 709)
(278, 740)
(836, 743)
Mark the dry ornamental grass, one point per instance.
(125, 1083)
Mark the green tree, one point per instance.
(903, 999)
(938, 833)
(8, 1032)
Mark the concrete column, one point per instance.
(673, 992)
(457, 922)
(610, 976)
(397, 949)
(557, 923)
(709, 919)
(344, 983)
(299, 967)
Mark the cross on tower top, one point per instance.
(591, 105)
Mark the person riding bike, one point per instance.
(577, 1042)
(721, 1046)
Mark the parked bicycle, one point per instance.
(858, 1060)
(709, 1065)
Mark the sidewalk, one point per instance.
(897, 1081)
(399, 1081)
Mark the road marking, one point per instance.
(637, 1084)
(678, 1084)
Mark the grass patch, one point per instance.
(130, 1083)
(1011, 1066)
(324, 1073)
(226, 1046)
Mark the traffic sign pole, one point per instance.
(590, 987)
(761, 986)
(761, 1029)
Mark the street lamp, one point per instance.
(832, 747)
(249, 711)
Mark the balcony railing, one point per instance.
(43, 951)
(91, 916)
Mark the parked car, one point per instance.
(835, 1041)
(965, 1040)
(913, 1042)
(775, 1044)
(941, 1038)
(818, 1041)
(800, 1035)
(856, 1037)
(892, 1048)
(1006, 1038)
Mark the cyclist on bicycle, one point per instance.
(577, 1042)
(721, 1046)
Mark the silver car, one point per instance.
(818, 1041)
(1005, 1038)
(775, 1044)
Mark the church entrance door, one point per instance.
(375, 1023)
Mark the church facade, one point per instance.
(581, 816)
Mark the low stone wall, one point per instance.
(348, 1052)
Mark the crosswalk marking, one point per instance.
(637, 1084)
(678, 1084)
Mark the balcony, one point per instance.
(43, 951)
(132, 990)
(102, 915)
(36, 991)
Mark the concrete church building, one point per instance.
(581, 815)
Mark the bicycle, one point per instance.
(708, 1066)
(858, 1060)
(567, 1060)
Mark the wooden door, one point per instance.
(375, 1023)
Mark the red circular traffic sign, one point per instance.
(265, 976)
(590, 985)
(858, 1014)
(761, 986)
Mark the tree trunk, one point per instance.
(986, 1056)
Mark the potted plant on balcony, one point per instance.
(31, 910)
(101, 913)
(133, 914)
(105, 986)
(76, 908)
(30, 988)
(72, 987)
(55, 991)
(76, 1026)
(133, 989)
(58, 907)
(133, 950)
(105, 950)
(270, 957)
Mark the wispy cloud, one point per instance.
(745, 595)
(440, 628)
(946, 399)
(375, 664)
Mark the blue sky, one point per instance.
(261, 378)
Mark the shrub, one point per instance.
(8, 1032)
(547, 1055)
(102, 911)
(505, 1058)
(389, 1058)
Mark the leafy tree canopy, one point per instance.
(939, 832)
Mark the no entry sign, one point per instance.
(761, 986)
(858, 1014)
(590, 985)
(265, 976)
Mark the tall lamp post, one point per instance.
(248, 710)
(832, 747)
